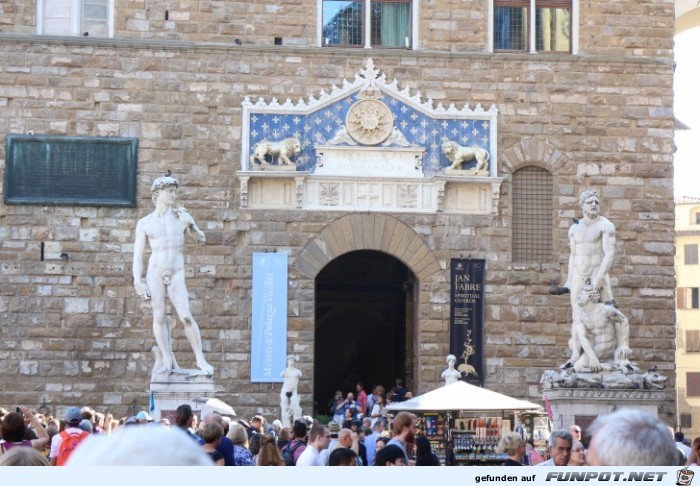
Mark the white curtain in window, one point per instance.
(395, 24)
(57, 17)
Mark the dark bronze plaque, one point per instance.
(59, 170)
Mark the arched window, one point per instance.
(532, 215)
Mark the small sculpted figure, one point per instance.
(602, 333)
(451, 375)
(457, 155)
(282, 151)
(290, 403)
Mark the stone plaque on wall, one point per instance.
(60, 170)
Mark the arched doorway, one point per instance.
(364, 325)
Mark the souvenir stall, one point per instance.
(535, 427)
(464, 422)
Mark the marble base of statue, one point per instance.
(574, 394)
(174, 387)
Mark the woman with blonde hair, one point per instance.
(513, 445)
(269, 454)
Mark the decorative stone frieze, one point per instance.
(357, 144)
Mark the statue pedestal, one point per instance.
(170, 389)
(569, 403)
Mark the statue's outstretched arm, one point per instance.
(191, 227)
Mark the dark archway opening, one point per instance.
(364, 325)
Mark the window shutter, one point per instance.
(680, 298)
(692, 341)
(692, 384)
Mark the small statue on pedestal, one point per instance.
(290, 403)
(451, 375)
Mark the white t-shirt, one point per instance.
(57, 439)
(310, 457)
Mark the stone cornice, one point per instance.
(182, 45)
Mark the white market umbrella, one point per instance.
(215, 405)
(462, 396)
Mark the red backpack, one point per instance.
(69, 441)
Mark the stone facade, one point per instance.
(73, 331)
(687, 279)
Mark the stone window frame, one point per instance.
(366, 36)
(531, 6)
(75, 19)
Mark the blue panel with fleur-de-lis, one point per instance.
(318, 128)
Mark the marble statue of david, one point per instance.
(165, 229)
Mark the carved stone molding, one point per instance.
(604, 395)
(284, 190)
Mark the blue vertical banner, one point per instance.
(268, 349)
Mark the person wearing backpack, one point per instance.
(292, 451)
(64, 443)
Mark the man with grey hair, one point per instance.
(559, 445)
(630, 437)
(165, 229)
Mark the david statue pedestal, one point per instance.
(599, 376)
(164, 230)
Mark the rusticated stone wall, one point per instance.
(74, 331)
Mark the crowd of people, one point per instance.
(86, 437)
(626, 437)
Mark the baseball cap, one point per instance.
(142, 415)
(73, 416)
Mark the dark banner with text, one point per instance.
(467, 317)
